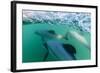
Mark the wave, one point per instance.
(79, 20)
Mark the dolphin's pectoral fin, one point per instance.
(47, 53)
(70, 49)
(45, 45)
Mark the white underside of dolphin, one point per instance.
(80, 38)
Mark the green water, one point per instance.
(32, 45)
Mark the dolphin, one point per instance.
(60, 50)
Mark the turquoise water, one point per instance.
(33, 49)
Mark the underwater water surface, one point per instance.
(55, 36)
